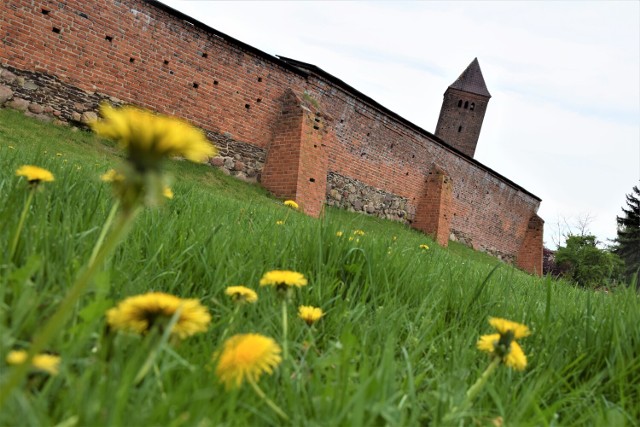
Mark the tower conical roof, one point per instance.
(471, 80)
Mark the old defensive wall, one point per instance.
(299, 131)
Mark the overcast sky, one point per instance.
(564, 117)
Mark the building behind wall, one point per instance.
(301, 132)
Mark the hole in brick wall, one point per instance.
(166, 62)
(363, 154)
(315, 146)
(45, 12)
(341, 120)
(171, 72)
(132, 60)
(316, 127)
(259, 100)
(407, 174)
(312, 180)
(247, 106)
(215, 82)
(108, 38)
(413, 156)
(459, 128)
(195, 85)
(391, 146)
(56, 30)
(460, 103)
(83, 15)
(368, 133)
(259, 79)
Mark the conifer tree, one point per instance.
(628, 240)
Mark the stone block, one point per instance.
(88, 117)
(5, 94)
(18, 104)
(36, 108)
(7, 76)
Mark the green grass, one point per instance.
(396, 346)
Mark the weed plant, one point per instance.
(396, 345)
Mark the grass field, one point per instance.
(396, 346)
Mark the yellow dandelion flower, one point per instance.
(43, 362)
(358, 233)
(241, 294)
(112, 176)
(339, 234)
(58, 154)
(279, 222)
(394, 238)
(425, 247)
(150, 137)
(503, 344)
(34, 174)
(167, 192)
(283, 279)
(292, 204)
(310, 314)
(516, 358)
(503, 326)
(141, 312)
(11, 147)
(247, 357)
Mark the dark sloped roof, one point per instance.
(471, 80)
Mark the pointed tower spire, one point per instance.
(463, 108)
(471, 80)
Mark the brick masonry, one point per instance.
(300, 132)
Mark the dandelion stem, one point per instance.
(479, 384)
(56, 321)
(285, 346)
(23, 216)
(231, 319)
(268, 401)
(103, 232)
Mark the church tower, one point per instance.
(463, 108)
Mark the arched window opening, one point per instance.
(460, 103)
(466, 104)
(459, 128)
(472, 106)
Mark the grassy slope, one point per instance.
(397, 344)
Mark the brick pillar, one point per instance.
(530, 253)
(297, 158)
(433, 213)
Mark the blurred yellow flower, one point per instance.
(339, 233)
(503, 326)
(292, 204)
(241, 294)
(111, 176)
(149, 137)
(503, 344)
(310, 314)
(43, 362)
(167, 192)
(358, 233)
(247, 357)
(59, 154)
(283, 279)
(142, 312)
(425, 247)
(34, 174)
(279, 222)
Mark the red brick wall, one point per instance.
(155, 59)
(433, 215)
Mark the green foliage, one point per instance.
(628, 240)
(586, 264)
(396, 346)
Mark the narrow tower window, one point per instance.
(459, 128)
(472, 106)
(460, 103)
(466, 104)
